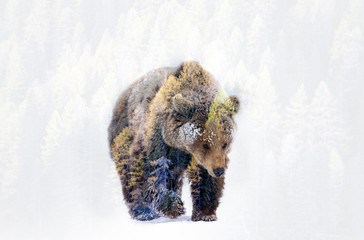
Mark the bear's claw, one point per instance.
(206, 218)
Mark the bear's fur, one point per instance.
(169, 121)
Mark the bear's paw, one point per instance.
(142, 213)
(205, 218)
(172, 205)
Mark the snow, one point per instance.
(296, 166)
(190, 132)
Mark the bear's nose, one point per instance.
(219, 172)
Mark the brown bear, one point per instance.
(172, 121)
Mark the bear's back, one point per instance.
(146, 88)
(134, 102)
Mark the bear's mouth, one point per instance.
(211, 172)
(216, 174)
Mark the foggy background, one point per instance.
(296, 169)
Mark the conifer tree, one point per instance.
(137, 169)
(37, 25)
(11, 16)
(253, 38)
(14, 80)
(52, 139)
(264, 109)
(120, 151)
(326, 122)
(296, 119)
(157, 181)
(194, 177)
(136, 176)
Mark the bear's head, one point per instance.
(208, 136)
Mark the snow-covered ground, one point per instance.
(296, 170)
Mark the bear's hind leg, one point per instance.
(171, 205)
(165, 188)
(139, 208)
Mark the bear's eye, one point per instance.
(205, 146)
(224, 146)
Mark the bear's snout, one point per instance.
(219, 172)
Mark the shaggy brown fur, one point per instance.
(168, 120)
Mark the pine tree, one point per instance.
(297, 111)
(235, 84)
(264, 109)
(346, 65)
(295, 139)
(296, 121)
(235, 47)
(11, 16)
(194, 176)
(37, 24)
(136, 181)
(121, 153)
(104, 55)
(223, 18)
(347, 44)
(336, 169)
(157, 181)
(325, 121)
(254, 38)
(134, 34)
(52, 139)
(14, 78)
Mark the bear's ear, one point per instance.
(235, 104)
(182, 105)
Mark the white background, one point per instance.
(296, 169)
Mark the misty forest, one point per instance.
(296, 167)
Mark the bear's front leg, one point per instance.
(206, 192)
